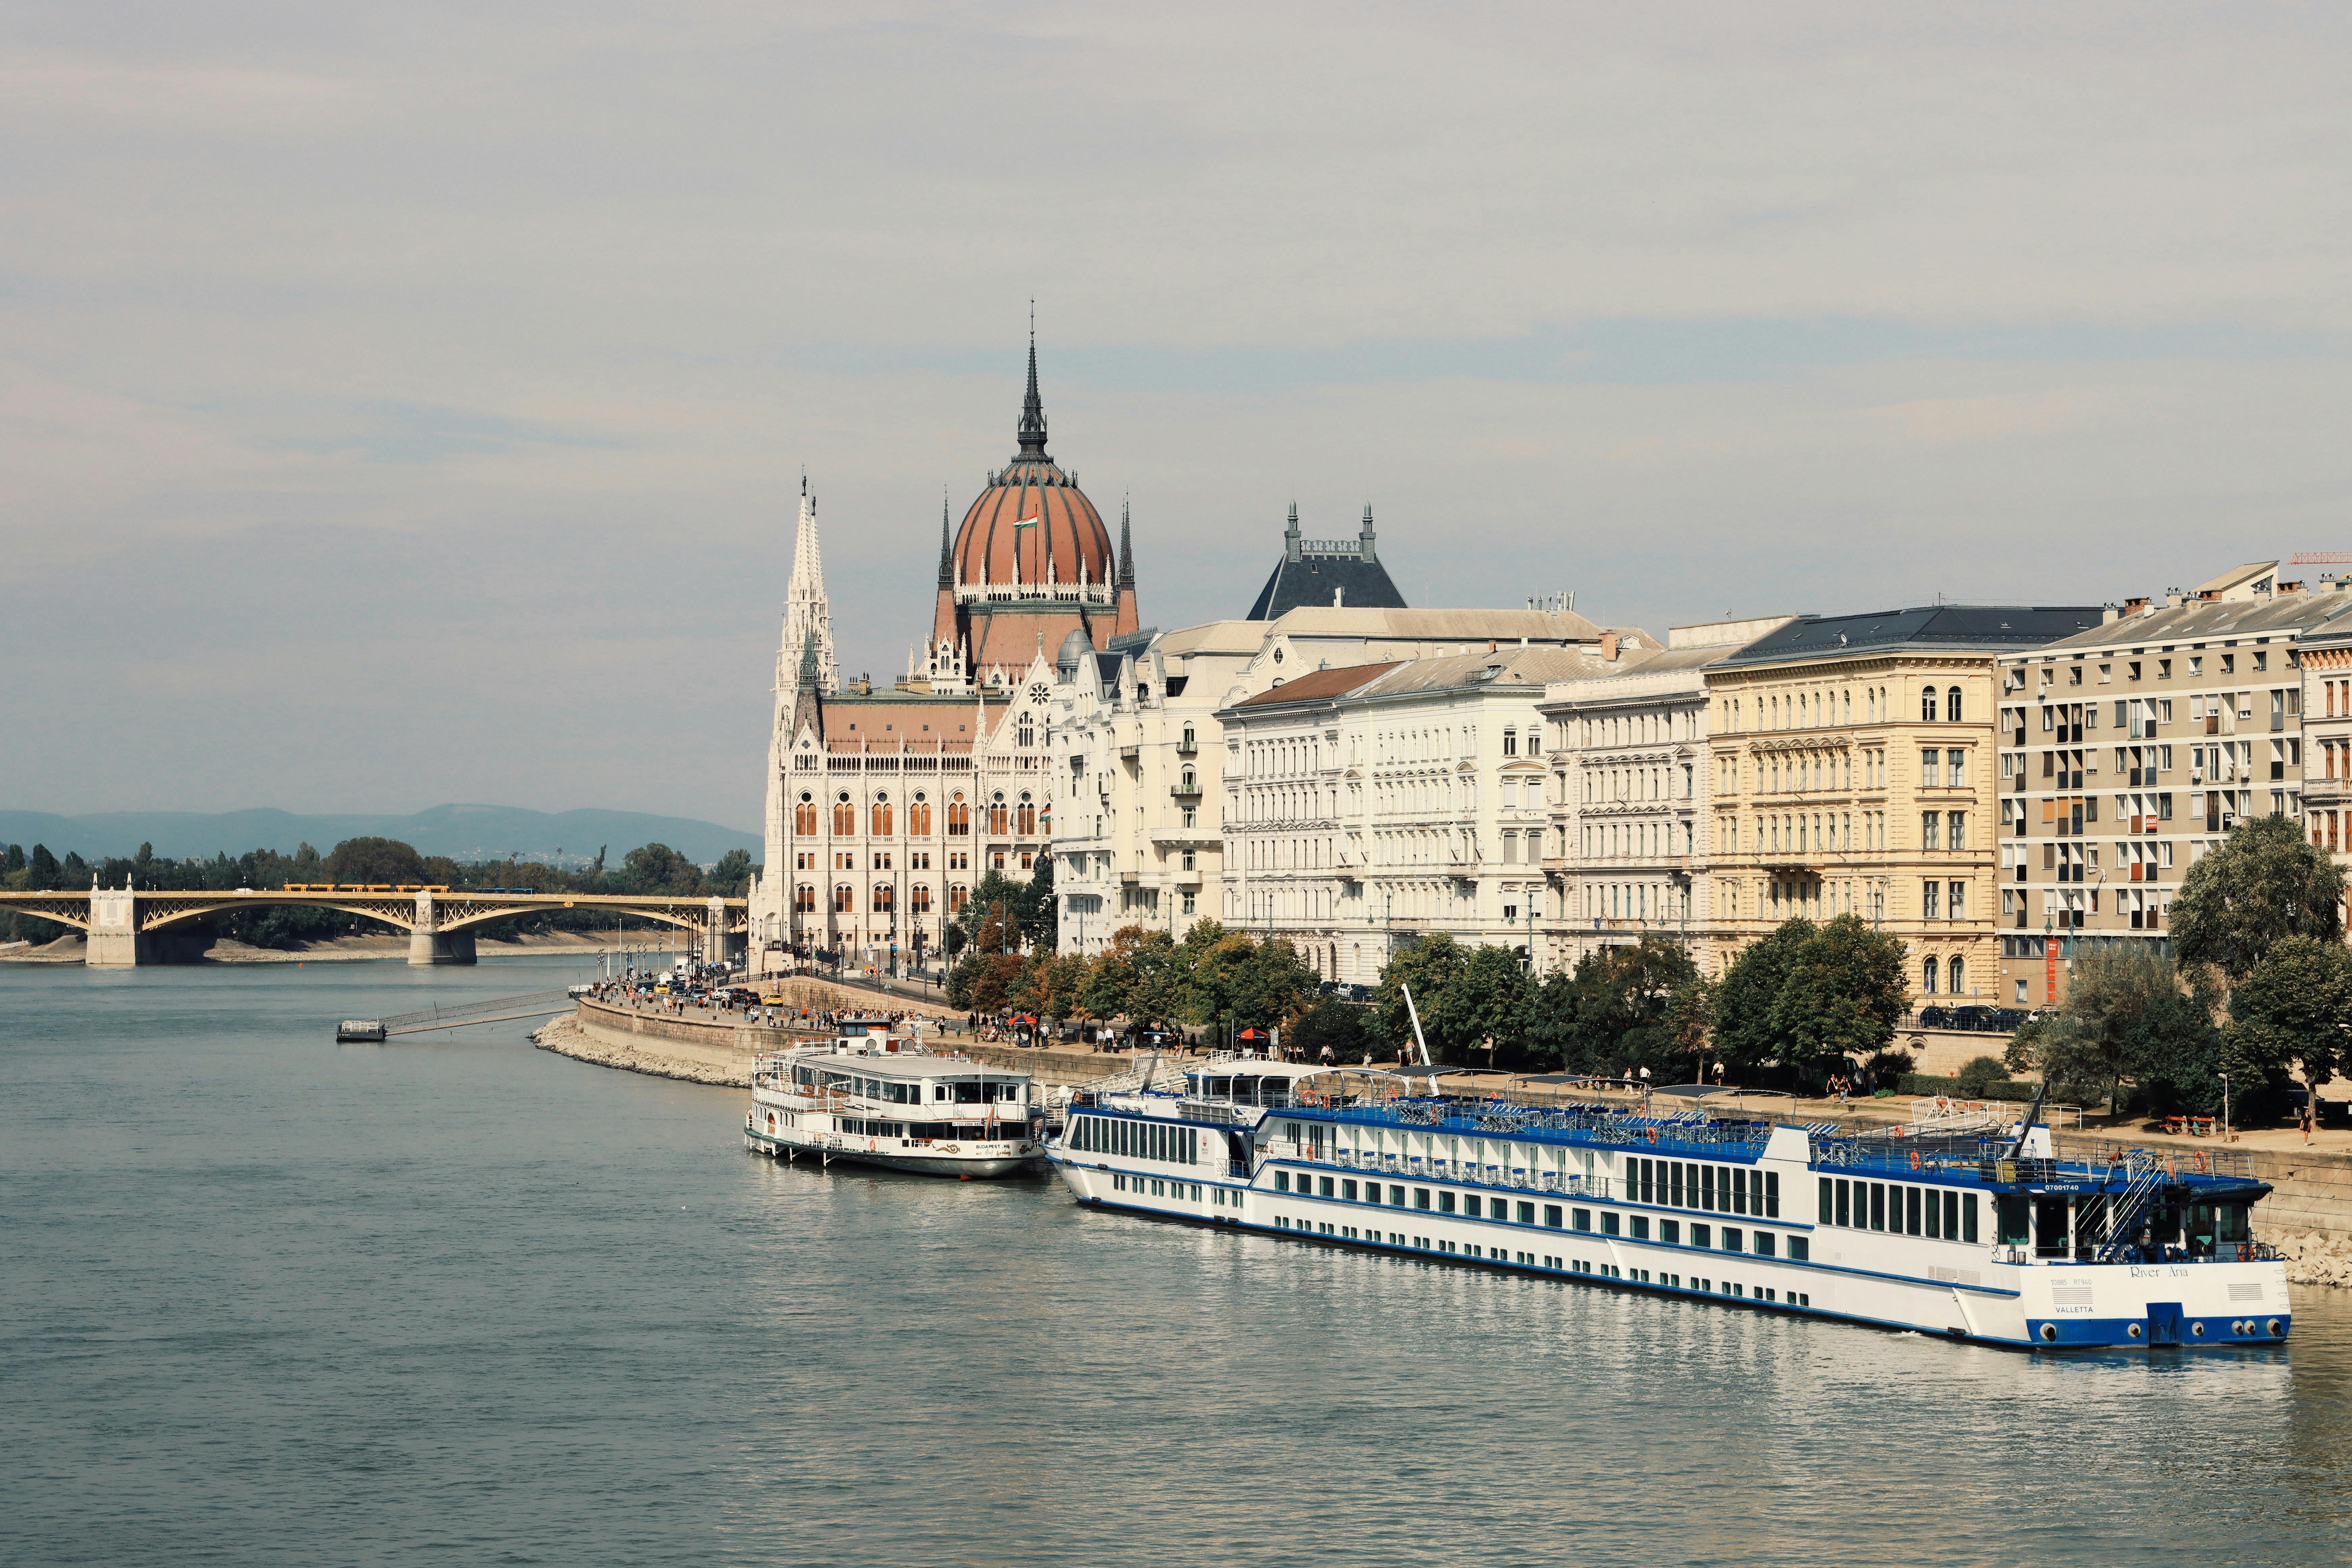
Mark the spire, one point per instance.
(1032, 408)
(1290, 535)
(1126, 551)
(1367, 549)
(808, 662)
(808, 614)
(947, 551)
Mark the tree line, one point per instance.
(650, 870)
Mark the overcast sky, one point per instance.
(406, 404)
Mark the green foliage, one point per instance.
(1488, 1007)
(983, 982)
(1745, 1032)
(2294, 1010)
(1982, 1077)
(1842, 995)
(731, 878)
(1997, 1088)
(1004, 914)
(654, 870)
(1429, 968)
(1885, 1069)
(2126, 1021)
(1340, 1026)
(2265, 884)
(43, 866)
(1616, 1013)
(371, 860)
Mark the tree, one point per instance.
(1488, 1006)
(1981, 1075)
(656, 869)
(1690, 1016)
(1333, 1023)
(983, 982)
(1842, 995)
(1428, 967)
(43, 866)
(2294, 1010)
(731, 875)
(2126, 1020)
(376, 860)
(1745, 1033)
(1611, 1015)
(2263, 885)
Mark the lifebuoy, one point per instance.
(2204, 1163)
(1653, 1135)
(1915, 1159)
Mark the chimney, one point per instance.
(1490, 644)
(2108, 613)
(1607, 648)
(2135, 606)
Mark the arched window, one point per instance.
(845, 817)
(805, 898)
(1960, 978)
(958, 896)
(1025, 820)
(1928, 708)
(844, 898)
(959, 815)
(1188, 782)
(1952, 706)
(881, 814)
(996, 815)
(918, 816)
(1928, 972)
(883, 900)
(804, 817)
(1185, 746)
(918, 898)
(1027, 734)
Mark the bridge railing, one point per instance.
(556, 1000)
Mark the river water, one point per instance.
(267, 1300)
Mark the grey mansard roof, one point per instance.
(1319, 571)
(1928, 628)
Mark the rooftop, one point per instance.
(1926, 629)
(2205, 620)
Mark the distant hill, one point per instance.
(463, 832)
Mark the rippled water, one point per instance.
(267, 1300)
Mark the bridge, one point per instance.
(122, 925)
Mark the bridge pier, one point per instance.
(429, 944)
(115, 941)
(426, 948)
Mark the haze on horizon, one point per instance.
(407, 405)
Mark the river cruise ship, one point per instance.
(1965, 1223)
(879, 1099)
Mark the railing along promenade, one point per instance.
(121, 924)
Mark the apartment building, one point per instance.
(1371, 806)
(1137, 741)
(2326, 656)
(2131, 749)
(1631, 812)
(1854, 773)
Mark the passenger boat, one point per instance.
(1963, 1223)
(880, 1099)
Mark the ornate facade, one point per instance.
(886, 808)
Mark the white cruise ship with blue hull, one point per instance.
(1965, 1224)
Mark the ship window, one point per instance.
(1738, 1192)
(1608, 1219)
(1640, 1224)
(1800, 1249)
(1526, 1213)
(1936, 1215)
(1952, 1216)
(1420, 1197)
(1702, 1236)
(1396, 1197)
(1764, 1247)
(1967, 1216)
(1348, 1191)
(1323, 1186)
(2010, 1212)
(1844, 1213)
(1470, 1206)
(1772, 1194)
(1670, 1231)
(1282, 1181)
(1731, 1242)
(1583, 1220)
(1911, 1211)
(1877, 1205)
(1649, 1181)
(1446, 1203)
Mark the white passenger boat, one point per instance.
(1965, 1223)
(881, 1099)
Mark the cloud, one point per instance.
(447, 374)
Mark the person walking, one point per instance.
(2310, 1108)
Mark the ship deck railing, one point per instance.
(2100, 1162)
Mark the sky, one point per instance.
(406, 404)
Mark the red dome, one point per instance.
(1070, 537)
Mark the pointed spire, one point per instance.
(1032, 408)
(1290, 549)
(947, 551)
(808, 662)
(1367, 547)
(1126, 549)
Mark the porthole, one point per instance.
(2198, 1330)
(2050, 1330)
(2133, 1331)
(2278, 1330)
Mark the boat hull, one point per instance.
(2046, 1308)
(858, 1152)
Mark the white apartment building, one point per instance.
(1631, 793)
(1137, 743)
(1369, 805)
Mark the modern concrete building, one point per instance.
(1632, 797)
(1853, 760)
(2131, 749)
